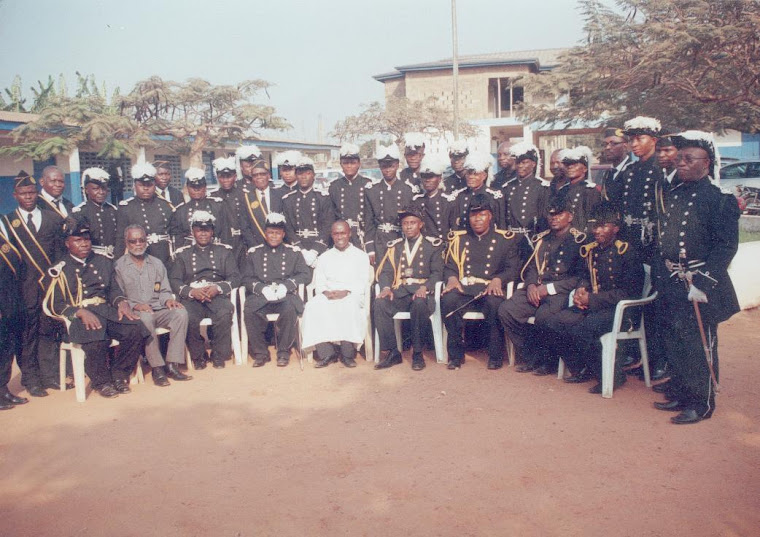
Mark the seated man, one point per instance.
(273, 272)
(407, 276)
(85, 292)
(479, 263)
(337, 315)
(203, 276)
(613, 273)
(143, 278)
(553, 270)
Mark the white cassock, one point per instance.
(343, 319)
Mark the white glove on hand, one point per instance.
(270, 293)
(696, 295)
(310, 256)
(281, 291)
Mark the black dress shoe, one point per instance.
(659, 374)
(55, 385)
(584, 375)
(495, 364)
(218, 364)
(107, 390)
(37, 391)
(122, 386)
(283, 360)
(542, 371)
(159, 377)
(6, 395)
(597, 388)
(689, 415)
(454, 364)
(5, 405)
(324, 362)
(418, 361)
(259, 361)
(661, 388)
(525, 368)
(670, 406)
(199, 364)
(173, 372)
(392, 358)
(627, 361)
(348, 361)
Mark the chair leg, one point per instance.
(438, 341)
(609, 346)
(510, 352)
(188, 361)
(397, 332)
(235, 334)
(62, 368)
(561, 369)
(644, 356)
(444, 347)
(77, 365)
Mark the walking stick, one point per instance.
(480, 294)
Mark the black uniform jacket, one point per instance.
(308, 217)
(556, 261)
(404, 276)
(281, 265)
(613, 273)
(214, 263)
(495, 254)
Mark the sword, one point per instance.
(476, 297)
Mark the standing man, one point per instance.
(195, 181)
(407, 275)
(99, 213)
(557, 169)
(667, 158)
(347, 193)
(98, 312)
(335, 319)
(553, 270)
(433, 206)
(414, 151)
(203, 276)
(480, 262)
(145, 283)
(476, 168)
(260, 199)
(147, 210)
(272, 274)
(11, 321)
(36, 234)
(235, 206)
(51, 196)
(579, 191)
(164, 188)
(382, 202)
(286, 170)
(698, 238)
(245, 157)
(308, 214)
(506, 161)
(615, 153)
(457, 153)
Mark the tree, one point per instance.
(16, 100)
(690, 63)
(192, 116)
(399, 116)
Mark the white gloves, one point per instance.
(280, 292)
(696, 295)
(310, 256)
(270, 293)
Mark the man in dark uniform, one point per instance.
(553, 270)
(203, 276)
(616, 154)
(97, 315)
(506, 162)
(51, 196)
(245, 157)
(407, 275)
(164, 188)
(667, 158)
(476, 167)
(433, 206)
(578, 189)
(308, 214)
(557, 169)
(11, 320)
(479, 263)
(457, 154)
(99, 213)
(613, 273)
(286, 170)
(147, 210)
(235, 206)
(195, 181)
(260, 198)
(526, 196)
(698, 238)
(36, 235)
(347, 193)
(414, 151)
(382, 202)
(273, 272)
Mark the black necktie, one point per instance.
(30, 223)
(57, 204)
(263, 202)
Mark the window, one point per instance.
(734, 171)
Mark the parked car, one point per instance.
(323, 178)
(744, 173)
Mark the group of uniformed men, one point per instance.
(545, 262)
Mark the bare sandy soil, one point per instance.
(273, 451)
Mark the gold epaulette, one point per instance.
(394, 242)
(538, 236)
(622, 246)
(506, 233)
(456, 233)
(578, 235)
(586, 248)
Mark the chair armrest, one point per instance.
(637, 302)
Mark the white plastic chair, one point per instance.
(435, 322)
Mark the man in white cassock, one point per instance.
(335, 320)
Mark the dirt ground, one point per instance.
(273, 451)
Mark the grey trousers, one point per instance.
(176, 321)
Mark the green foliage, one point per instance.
(690, 63)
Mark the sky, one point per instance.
(319, 55)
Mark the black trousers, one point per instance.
(219, 310)
(327, 350)
(419, 310)
(286, 328)
(40, 339)
(488, 305)
(130, 337)
(10, 346)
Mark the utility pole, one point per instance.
(455, 65)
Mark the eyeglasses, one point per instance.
(688, 159)
(137, 241)
(612, 144)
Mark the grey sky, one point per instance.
(320, 55)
